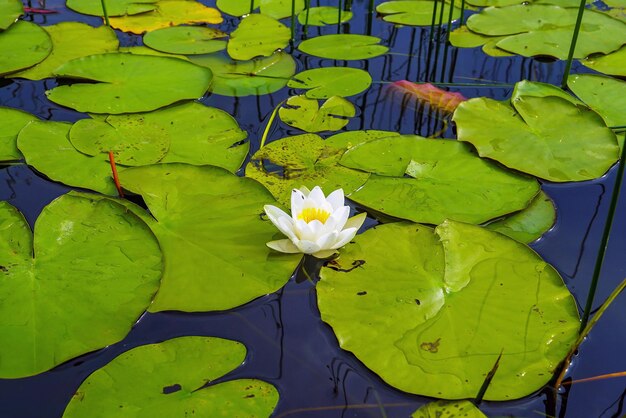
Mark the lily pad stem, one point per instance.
(116, 178)
(572, 45)
(269, 123)
(104, 12)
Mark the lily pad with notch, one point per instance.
(306, 114)
(23, 45)
(185, 40)
(10, 11)
(13, 120)
(605, 95)
(257, 35)
(343, 47)
(237, 7)
(325, 82)
(279, 9)
(323, 15)
(613, 63)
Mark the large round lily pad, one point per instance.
(306, 114)
(415, 13)
(114, 7)
(127, 83)
(10, 10)
(169, 379)
(613, 63)
(343, 47)
(23, 45)
(71, 40)
(325, 82)
(188, 40)
(248, 78)
(13, 120)
(605, 95)
(94, 270)
(323, 15)
(257, 35)
(210, 227)
(549, 137)
(429, 180)
(447, 304)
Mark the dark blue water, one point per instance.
(287, 343)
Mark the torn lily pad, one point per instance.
(306, 114)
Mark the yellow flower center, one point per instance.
(310, 214)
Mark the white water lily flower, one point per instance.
(318, 225)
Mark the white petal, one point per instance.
(324, 253)
(308, 247)
(312, 230)
(286, 226)
(305, 190)
(283, 246)
(339, 217)
(274, 213)
(280, 219)
(317, 195)
(356, 221)
(326, 241)
(336, 199)
(297, 202)
(344, 237)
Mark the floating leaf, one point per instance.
(279, 9)
(114, 7)
(573, 144)
(605, 95)
(167, 13)
(13, 120)
(447, 304)
(210, 228)
(303, 160)
(185, 40)
(128, 83)
(23, 45)
(46, 147)
(191, 133)
(237, 7)
(449, 409)
(343, 47)
(168, 380)
(322, 83)
(144, 50)
(430, 180)
(10, 10)
(306, 114)
(248, 78)
(349, 139)
(415, 13)
(428, 93)
(537, 29)
(613, 63)
(323, 15)
(462, 37)
(529, 224)
(91, 255)
(257, 35)
(71, 40)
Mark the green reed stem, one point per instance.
(104, 12)
(445, 48)
(251, 6)
(293, 20)
(605, 238)
(339, 11)
(431, 38)
(462, 13)
(370, 16)
(269, 124)
(437, 43)
(307, 4)
(572, 45)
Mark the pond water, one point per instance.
(288, 344)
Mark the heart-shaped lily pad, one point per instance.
(323, 15)
(306, 114)
(257, 35)
(167, 13)
(248, 78)
(416, 13)
(429, 180)
(88, 254)
(170, 379)
(128, 83)
(279, 9)
(573, 144)
(613, 63)
(113, 7)
(10, 10)
(188, 40)
(322, 83)
(237, 7)
(605, 95)
(447, 304)
(71, 40)
(210, 227)
(23, 45)
(13, 121)
(343, 47)
(449, 409)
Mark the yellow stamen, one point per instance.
(310, 214)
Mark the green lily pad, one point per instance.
(462, 37)
(605, 95)
(613, 63)
(528, 224)
(114, 7)
(71, 40)
(23, 45)
(323, 15)
(257, 35)
(527, 88)
(185, 40)
(13, 120)
(144, 50)
(306, 114)
(237, 7)
(449, 409)
(248, 78)
(302, 160)
(191, 133)
(322, 83)
(167, 13)
(10, 11)
(504, 3)
(537, 29)
(447, 304)
(209, 226)
(430, 180)
(415, 13)
(91, 255)
(573, 144)
(343, 47)
(168, 380)
(128, 83)
(279, 9)
(46, 147)
(349, 139)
